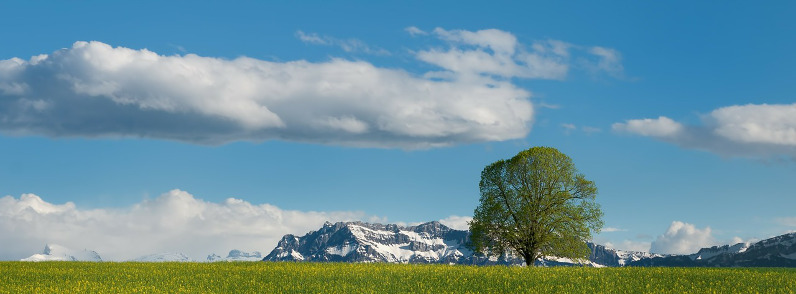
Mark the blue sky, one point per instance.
(682, 113)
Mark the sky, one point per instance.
(146, 127)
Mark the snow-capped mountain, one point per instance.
(430, 242)
(612, 257)
(436, 243)
(362, 242)
(164, 257)
(236, 255)
(779, 251)
(54, 252)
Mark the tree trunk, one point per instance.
(528, 259)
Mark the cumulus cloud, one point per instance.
(682, 238)
(752, 130)
(756, 124)
(95, 90)
(457, 222)
(174, 221)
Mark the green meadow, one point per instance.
(285, 277)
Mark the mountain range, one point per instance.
(434, 242)
(54, 252)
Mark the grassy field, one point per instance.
(265, 277)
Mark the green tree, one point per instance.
(535, 204)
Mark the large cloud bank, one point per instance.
(95, 90)
(174, 222)
(752, 130)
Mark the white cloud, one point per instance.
(348, 45)
(457, 222)
(786, 221)
(95, 90)
(752, 130)
(175, 221)
(682, 238)
(660, 127)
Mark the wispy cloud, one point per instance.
(568, 128)
(591, 130)
(786, 221)
(494, 53)
(752, 130)
(498, 53)
(414, 31)
(348, 45)
(608, 61)
(175, 221)
(612, 229)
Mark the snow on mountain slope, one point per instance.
(54, 252)
(236, 255)
(164, 257)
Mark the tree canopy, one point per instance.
(535, 204)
